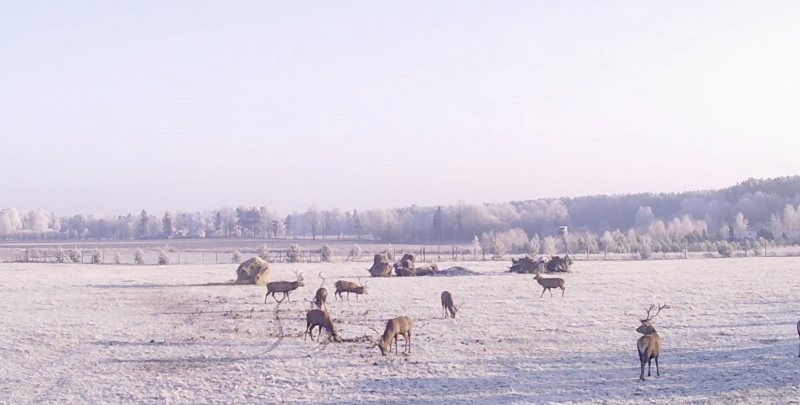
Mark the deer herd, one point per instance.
(648, 345)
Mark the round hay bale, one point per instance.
(253, 271)
(380, 266)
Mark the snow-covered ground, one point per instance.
(127, 334)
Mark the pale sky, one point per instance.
(111, 107)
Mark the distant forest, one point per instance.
(746, 216)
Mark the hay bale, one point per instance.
(405, 266)
(525, 265)
(455, 271)
(558, 264)
(253, 271)
(380, 266)
(428, 270)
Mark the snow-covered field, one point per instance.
(127, 334)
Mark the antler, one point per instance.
(459, 305)
(323, 280)
(376, 332)
(650, 318)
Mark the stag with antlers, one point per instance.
(348, 287)
(284, 287)
(649, 345)
(447, 305)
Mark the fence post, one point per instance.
(217, 254)
(203, 255)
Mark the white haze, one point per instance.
(109, 108)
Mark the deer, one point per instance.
(549, 283)
(400, 326)
(798, 333)
(348, 287)
(284, 287)
(321, 319)
(649, 345)
(447, 305)
(321, 297)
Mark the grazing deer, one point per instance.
(401, 326)
(348, 287)
(321, 319)
(649, 345)
(549, 283)
(447, 305)
(284, 287)
(321, 297)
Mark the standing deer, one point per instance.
(447, 305)
(401, 326)
(549, 283)
(649, 345)
(321, 319)
(284, 287)
(321, 297)
(348, 287)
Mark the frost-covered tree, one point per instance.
(549, 246)
(498, 249)
(390, 252)
(535, 245)
(326, 253)
(138, 256)
(163, 258)
(236, 257)
(97, 256)
(10, 222)
(313, 218)
(117, 258)
(476, 246)
(644, 217)
(740, 226)
(166, 225)
(608, 243)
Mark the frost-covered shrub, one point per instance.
(117, 258)
(263, 252)
(163, 259)
(138, 256)
(76, 256)
(97, 257)
(326, 254)
(390, 253)
(355, 252)
(237, 257)
(61, 257)
(725, 249)
(293, 255)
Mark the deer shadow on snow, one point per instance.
(684, 373)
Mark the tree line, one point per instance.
(747, 211)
